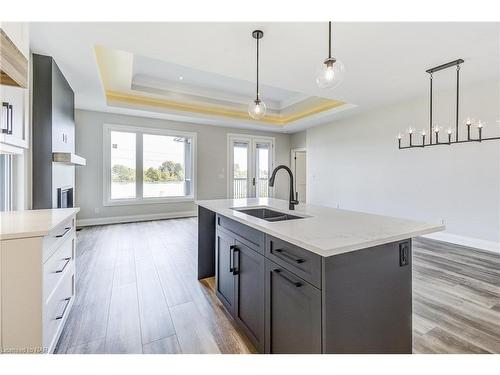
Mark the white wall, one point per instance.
(355, 162)
(298, 140)
(211, 167)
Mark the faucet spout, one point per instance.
(292, 201)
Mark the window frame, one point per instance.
(139, 132)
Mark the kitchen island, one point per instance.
(312, 280)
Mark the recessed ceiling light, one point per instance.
(181, 78)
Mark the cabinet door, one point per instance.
(13, 117)
(293, 313)
(249, 293)
(63, 113)
(224, 278)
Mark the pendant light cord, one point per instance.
(257, 68)
(330, 39)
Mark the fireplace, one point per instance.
(65, 197)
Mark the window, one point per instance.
(143, 165)
(240, 169)
(250, 160)
(123, 165)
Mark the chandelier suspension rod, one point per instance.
(430, 112)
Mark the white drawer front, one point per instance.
(52, 241)
(57, 265)
(57, 308)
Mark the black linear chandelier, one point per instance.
(435, 141)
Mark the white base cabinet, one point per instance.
(37, 289)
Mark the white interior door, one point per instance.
(250, 164)
(300, 173)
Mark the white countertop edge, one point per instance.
(322, 252)
(26, 233)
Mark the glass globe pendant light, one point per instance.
(331, 71)
(257, 108)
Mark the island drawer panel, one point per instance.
(57, 265)
(57, 308)
(56, 237)
(249, 236)
(294, 258)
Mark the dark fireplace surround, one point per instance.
(65, 197)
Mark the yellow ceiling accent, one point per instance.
(184, 107)
(115, 68)
(115, 96)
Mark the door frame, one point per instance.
(252, 141)
(292, 164)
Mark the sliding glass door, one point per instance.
(250, 164)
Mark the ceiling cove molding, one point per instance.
(113, 96)
(116, 73)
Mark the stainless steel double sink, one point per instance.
(267, 214)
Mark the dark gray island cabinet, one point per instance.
(291, 300)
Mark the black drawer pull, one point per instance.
(297, 284)
(64, 310)
(66, 230)
(65, 264)
(289, 256)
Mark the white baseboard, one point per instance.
(133, 218)
(465, 241)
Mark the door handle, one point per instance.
(11, 110)
(232, 250)
(253, 181)
(231, 257)
(297, 284)
(6, 105)
(236, 270)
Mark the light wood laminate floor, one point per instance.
(137, 292)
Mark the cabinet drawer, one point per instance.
(56, 310)
(249, 236)
(303, 263)
(56, 237)
(57, 265)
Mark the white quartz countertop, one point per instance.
(325, 231)
(32, 223)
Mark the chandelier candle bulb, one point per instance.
(423, 138)
(436, 130)
(480, 129)
(449, 135)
